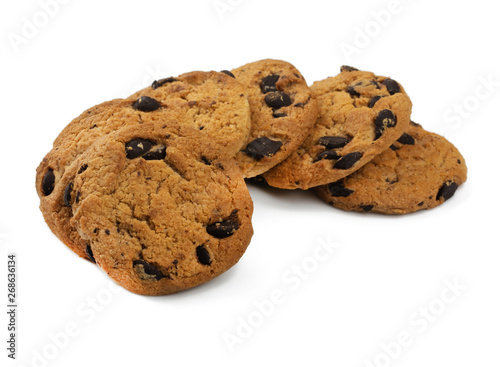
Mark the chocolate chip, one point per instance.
(83, 168)
(203, 255)
(227, 72)
(337, 189)
(149, 269)
(421, 203)
(392, 86)
(374, 100)
(146, 104)
(345, 68)
(366, 208)
(262, 147)
(352, 91)
(447, 190)
(333, 142)
(107, 231)
(158, 154)
(268, 84)
(89, 253)
(375, 84)
(300, 104)
(393, 147)
(48, 182)
(223, 229)
(327, 154)
(277, 99)
(385, 119)
(277, 115)
(406, 139)
(137, 147)
(67, 194)
(206, 161)
(348, 160)
(161, 82)
(77, 197)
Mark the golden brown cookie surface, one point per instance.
(159, 212)
(361, 115)
(420, 171)
(283, 112)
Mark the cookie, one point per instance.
(420, 171)
(160, 212)
(283, 111)
(213, 102)
(361, 115)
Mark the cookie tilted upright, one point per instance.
(361, 115)
(283, 112)
(160, 212)
(420, 171)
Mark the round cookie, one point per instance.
(420, 171)
(160, 212)
(361, 115)
(283, 111)
(213, 102)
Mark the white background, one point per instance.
(352, 305)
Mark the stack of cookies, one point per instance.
(152, 187)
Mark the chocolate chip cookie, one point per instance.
(213, 102)
(160, 212)
(361, 115)
(420, 171)
(283, 111)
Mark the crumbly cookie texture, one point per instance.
(420, 171)
(283, 112)
(159, 212)
(211, 102)
(361, 115)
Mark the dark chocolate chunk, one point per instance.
(268, 84)
(352, 91)
(392, 86)
(203, 255)
(67, 194)
(278, 115)
(159, 83)
(366, 208)
(385, 119)
(146, 104)
(149, 269)
(223, 229)
(48, 182)
(406, 139)
(447, 190)
(348, 160)
(83, 168)
(277, 99)
(337, 189)
(227, 72)
(262, 147)
(374, 100)
(345, 68)
(138, 147)
(157, 154)
(326, 154)
(333, 142)
(89, 253)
